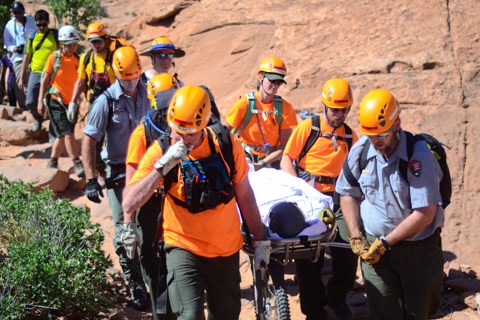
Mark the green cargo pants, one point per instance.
(407, 281)
(190, 275)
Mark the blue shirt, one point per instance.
(124, 118)
(388, 198)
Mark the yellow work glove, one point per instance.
(327, 216)
(373, 255)
(359, 245)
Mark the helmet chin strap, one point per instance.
(261, 84)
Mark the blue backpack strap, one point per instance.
(31, 37)
(55, 35)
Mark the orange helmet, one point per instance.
(189, 110)
(273, 65)
(126, 63)
(378, 112)
(161, 82)
(96, 30)
(337, 94)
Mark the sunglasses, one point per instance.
(96, 41)
(380, 135)
(161, 55)
(276, 82)
(42, 25)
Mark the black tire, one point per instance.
(270, 303)
(282, 309)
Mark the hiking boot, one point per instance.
(343, 311)
(78, 168)
(140, 297)
(37, 125)
(52, 163)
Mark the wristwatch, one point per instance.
(385, 243)
(264, 163)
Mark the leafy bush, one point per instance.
(51, 259)
(78, 13)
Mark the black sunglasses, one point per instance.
(276, 82)
(40, 25)
(161, 55)
(95, 41)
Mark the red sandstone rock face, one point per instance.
(425, 52)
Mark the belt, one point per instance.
(325, 180)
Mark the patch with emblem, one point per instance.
(415, 167)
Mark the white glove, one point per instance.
(72, 112)
(129, 238)
(262, 253)
(170, 159)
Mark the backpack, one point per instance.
(32, 36)
(111, 105)
(435, 146)
(163, 101)
(100, 85)
(155, 125)
(315, 133)
(225, 191)
(118, 43)
(251, 109)
(57, 63)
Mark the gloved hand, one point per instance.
(327, 216)
(170, 159)
(129, 238)
(94, 190)
(72, 112)
(262, 253)
(373, 255)
(359, 244)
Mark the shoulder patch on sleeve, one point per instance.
(415, 168)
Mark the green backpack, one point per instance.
(57, 63)
(252, 108)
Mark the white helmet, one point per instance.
(68, 34)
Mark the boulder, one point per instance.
(20, 133)
(41, 178)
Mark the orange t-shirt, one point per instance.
(210, 233)
(261, 123)
(137, 145)
(321, 159)
(65, 77)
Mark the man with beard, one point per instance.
(315, 151)
(95, 73)
(117, 112)
(394, 219)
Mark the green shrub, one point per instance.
(51, 260)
